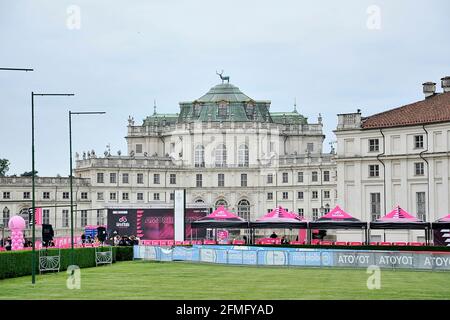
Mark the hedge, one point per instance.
(18, 263)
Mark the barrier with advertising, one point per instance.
(296, 257)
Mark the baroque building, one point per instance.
(224, 148)
(397, 157)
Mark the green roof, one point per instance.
(225, 102)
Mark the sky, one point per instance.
(119, 56)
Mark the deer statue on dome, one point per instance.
(223, 78)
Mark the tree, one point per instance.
(4, 167)
(29, 174)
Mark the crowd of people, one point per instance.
(124, 241)
(6, 243)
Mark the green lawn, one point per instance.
(178, 280)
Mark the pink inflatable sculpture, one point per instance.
(16, 224)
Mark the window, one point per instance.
(244, 209)
(172, 196)
(300, 177)
(221, 202)
(6, 216)
(250, 110)
(84, 218)
(156, 196)
(285, 177)
(140, 178)
(156, 178)
(27, 195)
(139, 148)
(243, 156)
(125, 177)
(326, 176)
(46, 195)
(310, 147)
(100, 196)
(221, 156)
(125, 196)
(140, 196)
(269, 178)
(100, 177)
(375, 206)
(285, 195)
(243, 180)
(418, 142)
(221, 180)
(222, 109)
(173, 178)
(326, 194)
(6, 195)
(314, 176)
(112, 178)
(315, 213)
(374, 145)
(315, 195)
(100, 218)
(65, 195)
(198, 180)
(199, 156)
(112, 196)
(197, 108)
(84, 195)
(301, 212)
(65, 218)
(374, 170)
(270, 196)
(421, 206)
(419, 169)
(46, 216)
(300, 195)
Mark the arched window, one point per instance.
(221, 156)
(222, 109)
(5, 217)
(250, 111)
(243, 156)
(244, 209)
(197, 109)
(199, 156)
(199, 201)
(221, 202)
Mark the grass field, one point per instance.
(178, 280)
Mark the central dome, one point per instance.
(226, 92)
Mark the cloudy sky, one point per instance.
(332, 56)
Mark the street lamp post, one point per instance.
(33, 175)
(15, 69)
(71, 175)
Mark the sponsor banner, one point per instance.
(152, 224)
(295, 257)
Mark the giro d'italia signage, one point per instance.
(241, 255)
(153, 224)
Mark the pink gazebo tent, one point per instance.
(337, 219)
(441, 233)
(280, 218)
(442, 223)
(220, 218)
(399, 219)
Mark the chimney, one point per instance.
(445, 84)
(429, 89)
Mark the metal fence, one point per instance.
(297, 257)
